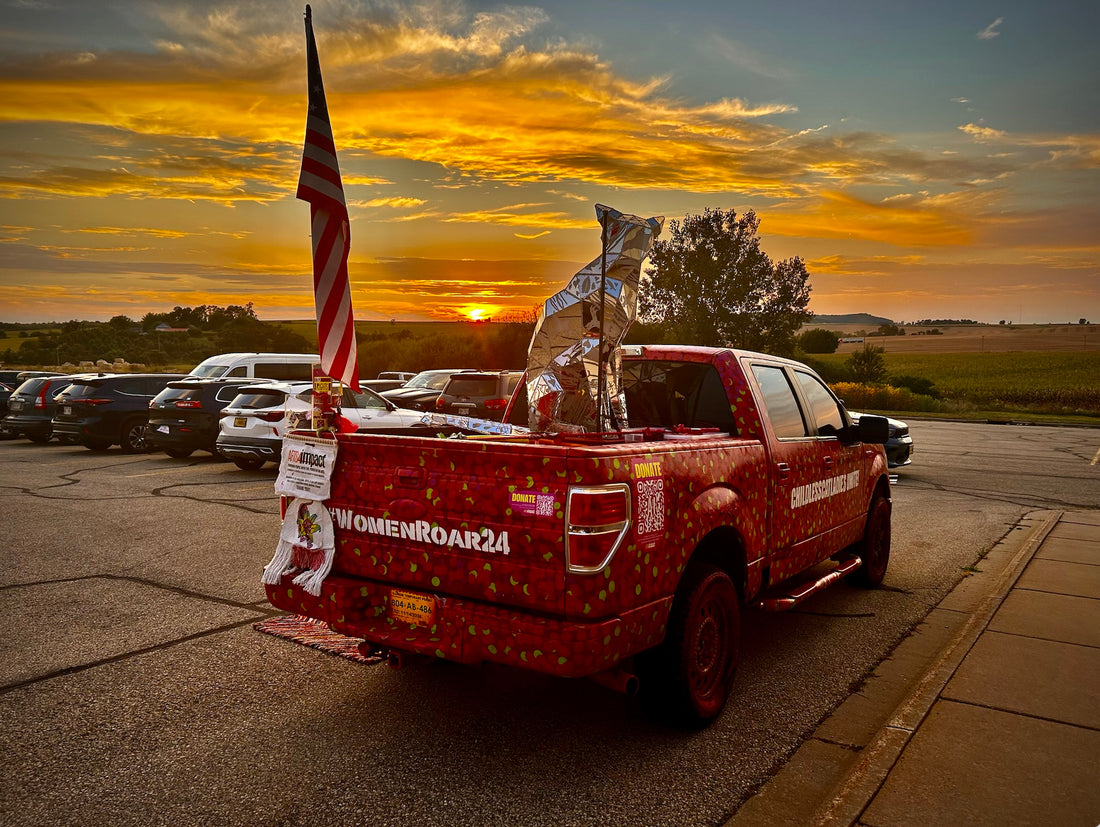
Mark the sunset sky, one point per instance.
(927, 160)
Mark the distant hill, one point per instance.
(851, 318)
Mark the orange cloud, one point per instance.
(513, 216)
(841, 216)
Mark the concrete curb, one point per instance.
(833, 776)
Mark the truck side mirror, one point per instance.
(874, 430)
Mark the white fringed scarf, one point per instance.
(306, 542)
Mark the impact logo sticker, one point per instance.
(649, 499)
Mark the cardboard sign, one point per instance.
(305, 469)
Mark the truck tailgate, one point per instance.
(463, 517)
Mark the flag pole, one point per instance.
(601, 372)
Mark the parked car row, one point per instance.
(229, 411)
(224, 408)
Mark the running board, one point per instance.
(789, 601)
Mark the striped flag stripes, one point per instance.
(320, 185)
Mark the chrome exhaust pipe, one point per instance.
(618, 680)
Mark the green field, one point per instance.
(1049, 382)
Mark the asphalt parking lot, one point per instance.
(134, 690)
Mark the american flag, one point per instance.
(320, 185)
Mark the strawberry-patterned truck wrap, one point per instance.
(563, 552)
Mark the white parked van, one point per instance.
(278, 366)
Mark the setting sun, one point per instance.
(478, 313)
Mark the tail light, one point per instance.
(440, 403)
(596, 519)
(188, 403)
(496, 404)
(40, 400)
(270, 416)
(90, 401)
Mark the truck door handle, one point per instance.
(784, 470)
(828, 462)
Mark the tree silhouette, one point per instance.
(711, 284)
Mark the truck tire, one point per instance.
(875, 546)
(687, 678)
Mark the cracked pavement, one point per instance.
(134, 691)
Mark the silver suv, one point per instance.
(252, 425)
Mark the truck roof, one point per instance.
(696, 353)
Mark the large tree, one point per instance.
(709, 283)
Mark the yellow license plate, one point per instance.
(240, 421)
(412, 607)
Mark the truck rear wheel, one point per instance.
(688, 678)
(875, 548)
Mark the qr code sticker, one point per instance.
(651, 506)
(544, 505)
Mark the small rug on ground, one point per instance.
(315, 634)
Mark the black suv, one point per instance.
(483, 395)
(113, 409)
(184, 417)
(31, 407)
(10, 380)
(420, 392)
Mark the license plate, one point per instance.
(412, 607)
(163, 429)
(66, 410)
(240, 421)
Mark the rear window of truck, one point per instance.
(668, 394)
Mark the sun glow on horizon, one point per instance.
(479, 312)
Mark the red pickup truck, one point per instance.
(739, 480)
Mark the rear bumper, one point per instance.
(98, 428)
(76, 430)
(269, 450)
(193, 439)
(468, 631)
(27, 425)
